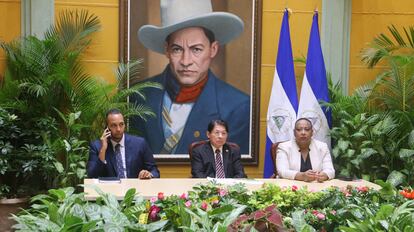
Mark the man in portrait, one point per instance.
(192, 96)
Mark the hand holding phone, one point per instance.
(106, 135)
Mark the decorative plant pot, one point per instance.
(8, 207)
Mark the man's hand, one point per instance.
(321, 176)
(144, 174)
(104, 142)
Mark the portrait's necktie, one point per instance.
(219, 165)
(119, 164)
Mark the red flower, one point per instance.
(187, 204)
(204, 205)
(320, 216)
(407, 193)
(294, 188)
(184, 196)
(362, 189)
(153, 213)
(222, 192)
(160, 196)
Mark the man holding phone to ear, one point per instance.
(117, 154)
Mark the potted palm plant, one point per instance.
(374, 128)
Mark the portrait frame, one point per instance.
(135, 13)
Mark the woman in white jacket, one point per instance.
(304, 158)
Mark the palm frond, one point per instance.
(129, 70)
(139, 110)
(136, 89)
(73, 30)
(383, 46)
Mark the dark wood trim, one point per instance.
(123, 30)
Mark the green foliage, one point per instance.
(73, 152)
(286, 199)
(387, 218)
(213, 207)
(63, 210)
(26, 157)
(372, 128)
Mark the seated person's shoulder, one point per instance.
(233, 146)
(320, 143)
(135, 138)
(199, 145)
(285, 144)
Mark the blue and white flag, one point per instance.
(283, 104)
(315, 88)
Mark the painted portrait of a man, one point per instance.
(191, 36)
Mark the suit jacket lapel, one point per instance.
(210, 155)
(313, 154)
(111, 157)
(128, 157)
(296, 156)
(226, 156)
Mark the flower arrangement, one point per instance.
(212, 207)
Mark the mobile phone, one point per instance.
(107, 129)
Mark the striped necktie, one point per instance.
(219, 165)
(119, 163)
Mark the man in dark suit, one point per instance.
(217, 158)
(118, 154)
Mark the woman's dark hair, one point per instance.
(215, 122)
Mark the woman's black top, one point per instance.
(305, 164)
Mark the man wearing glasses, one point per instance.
(217, 158)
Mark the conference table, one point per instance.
(178, 186)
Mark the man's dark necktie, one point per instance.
(119, 164)
(219, 165)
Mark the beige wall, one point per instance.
(369, 18)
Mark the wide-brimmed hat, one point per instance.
(179, 14)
